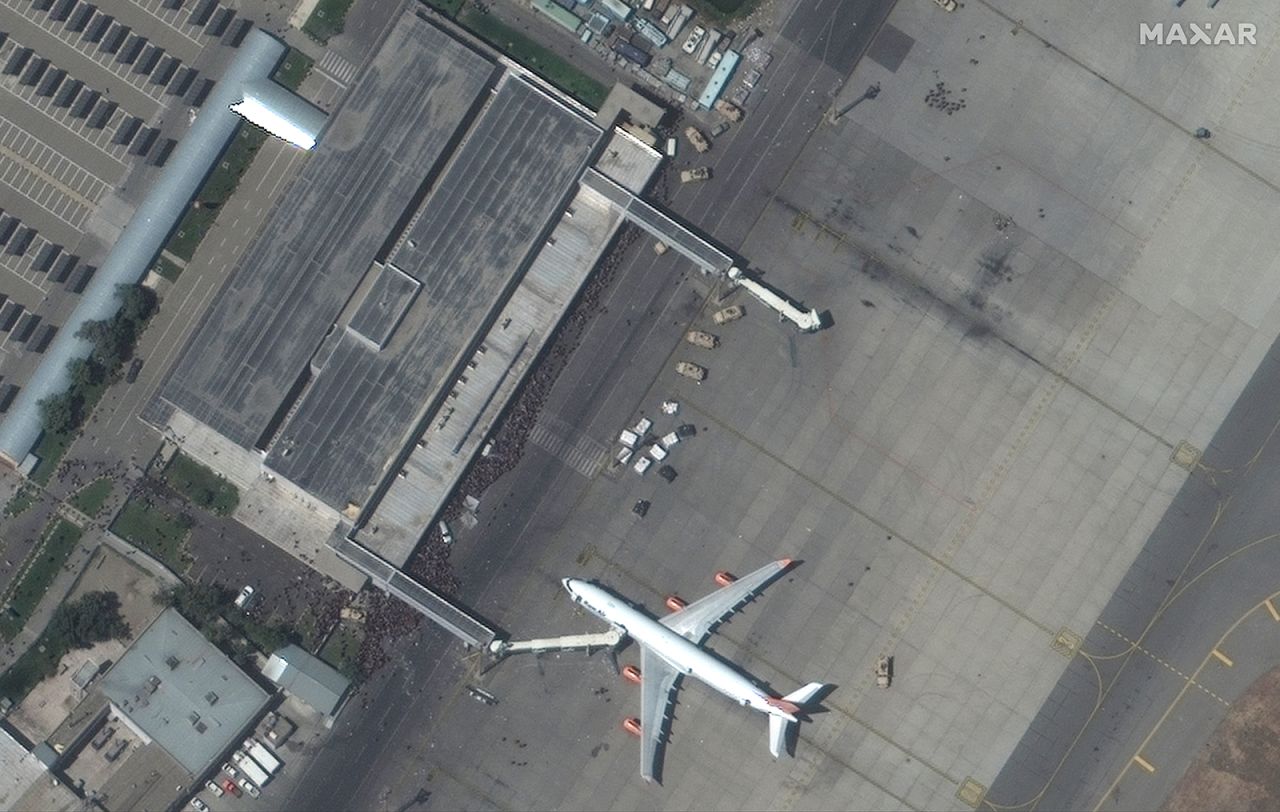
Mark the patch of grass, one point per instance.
(154, 531)
(90, 499)
(39, 661)
(26, 496)
(167, 268)
(536, 57)
(342, 650)
(294, 69)
(327, 20)
(448, 8)
(216, 191)
(60, 538)
(201, 485)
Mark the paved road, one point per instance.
(377, 753)
(1147, 687)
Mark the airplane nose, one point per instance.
(568, 586)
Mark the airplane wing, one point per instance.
(697, 620)
(657, 694)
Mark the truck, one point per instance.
(696, 174)
(250, 768)
(728, 109)
(700, 339)
(264, 757)
(699, 141)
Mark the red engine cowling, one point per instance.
(724, 577)
(631, 674)
(675, 603)
(632, 725)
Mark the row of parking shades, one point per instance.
(110, 36)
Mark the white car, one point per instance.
(249, 788)
(694, 40)
(246, 595)
(215, 790)
(196, 803)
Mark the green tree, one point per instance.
(200, 603)
(85, 373)
(93, 618)
(60, 414)
(137, 303)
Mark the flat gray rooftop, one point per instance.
(468, 245)
(183, 693)
(393, 128)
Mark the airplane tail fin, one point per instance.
(793, 703)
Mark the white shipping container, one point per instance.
(265, 758)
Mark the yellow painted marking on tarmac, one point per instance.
(1271, 607)
(1144, 764)
(1224, 659)
(1189, 680)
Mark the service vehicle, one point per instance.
(728, 314)
(668, 473)
(699, 141)
(642, 465)
(629, 438)
(691, 370)
(696, 174)
(720, 129)
(260, 754)
(669, 439)
(446, 535)
(657, 452)
(250, 769)
(700, 339)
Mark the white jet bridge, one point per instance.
(569, 642)
(808, 321)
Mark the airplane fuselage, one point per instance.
(681, 654)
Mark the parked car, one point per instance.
(642, 465)
(695, 39)
(213, 788)
(640, 508)
(200, 805)
(134, 369)
(230, 786)
(720, 129)
(686, 430)
(229, 770)
(242, 602)
(249, 788)
(668, 473)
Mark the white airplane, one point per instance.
(672, 647)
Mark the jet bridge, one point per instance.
(806, 321)
(571, 642)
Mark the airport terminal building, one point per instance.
(358, 356)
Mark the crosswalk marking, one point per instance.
(337, 68)
(574, 449)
